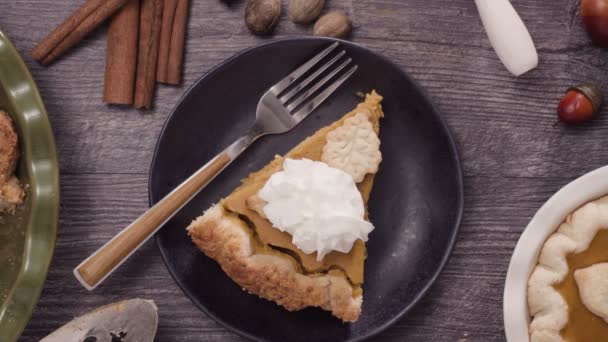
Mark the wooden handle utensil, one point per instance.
(105, 260)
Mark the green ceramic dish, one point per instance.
(27, 238)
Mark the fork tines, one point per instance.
(310, 84)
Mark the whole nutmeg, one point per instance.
(334, 24)
(580, 103)
(304, 11)
(261, 16)
(595, 19)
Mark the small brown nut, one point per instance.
(334, 24)
(304, 11)
(261, 16)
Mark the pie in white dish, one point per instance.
(565, 290)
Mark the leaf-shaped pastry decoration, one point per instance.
(353, 147)
(592, 283)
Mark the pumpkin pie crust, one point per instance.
(557, 306)
(262, 259)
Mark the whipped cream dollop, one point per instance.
(320, 206)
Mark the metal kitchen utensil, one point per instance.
(279, 110)
(132, 320)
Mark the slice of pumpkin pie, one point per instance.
(294, 232)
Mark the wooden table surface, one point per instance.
(513, 158)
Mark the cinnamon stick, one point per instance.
(150, 19)
(121, 56)
(173, 33)
(169, 7)
(90, 15)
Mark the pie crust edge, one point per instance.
(547, 306)
(223, 239)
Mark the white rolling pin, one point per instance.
(508, 35)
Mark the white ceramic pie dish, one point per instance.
(587, 188)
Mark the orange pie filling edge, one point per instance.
(269, 272)
(551, 287)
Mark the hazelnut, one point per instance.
(334, 24)
(304, 11)
(261, 16)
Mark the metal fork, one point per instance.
(280, 109)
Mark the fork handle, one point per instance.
(110, 256)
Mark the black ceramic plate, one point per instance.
(416, 203)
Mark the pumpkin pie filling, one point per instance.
(352, 263)
(583, 325)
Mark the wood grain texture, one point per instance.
(513, 158)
